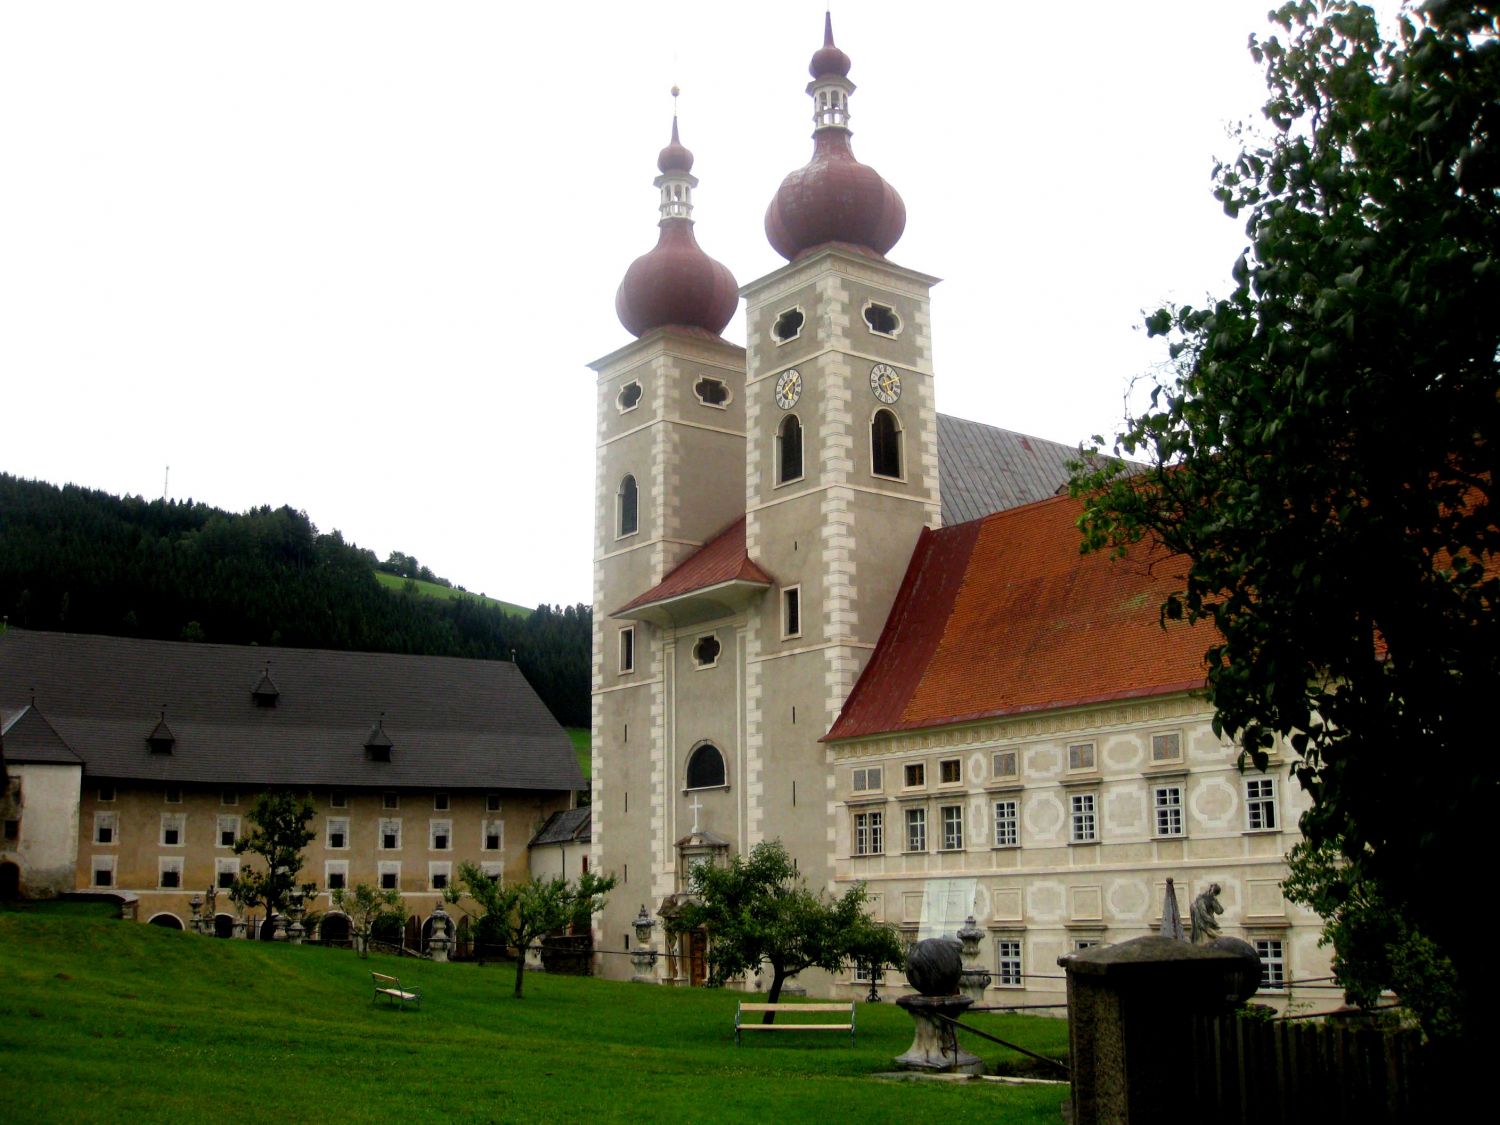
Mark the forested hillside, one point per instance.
(76, 560)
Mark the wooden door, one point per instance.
(697, 958)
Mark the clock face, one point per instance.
(885, 381)
(788, 388)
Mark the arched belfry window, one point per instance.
(789, 450)
(885, 445)
(626, 503)
(705, 769)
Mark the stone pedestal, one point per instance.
(975, 978)
(278, 927)
(437, 944)
(295, 932)
(935, 1045)
(240, 925)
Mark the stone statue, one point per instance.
(1205, 906)
(210, 897)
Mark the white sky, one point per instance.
(354, 256)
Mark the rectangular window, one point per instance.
(953, 827)
(169, 876)
(173, 795)
(390, 800)
(104, 870)
(229, 797)
(438, 875)
(390, 876)
(1260, 803)
(439, 833)
(1166, 747)
(950, 771)
(1008, 963)
(916, 775)
(1007, 824)
(1004, 763)
(867, 780)
(336, 874)
(916, 830)
(1080, 944)
(12, 829)
(1085, 821)
(338, 799)
(106, 792)
(104, 828)
(791, 611)
(337, 833)
(627, 649)
(173, 826)
(225, 873)
(869, 833)
(493, 871)
(228, 831)
(492, 802)
(1272, 956)
(440, 802)
(494, 835)
(1081, 756)
(862, 973)
(390, 835)
(1166, 808)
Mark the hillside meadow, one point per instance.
(106, 1020)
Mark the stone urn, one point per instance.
(976, 977)
(934, 967)
(437, 944)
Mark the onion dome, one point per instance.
(676, 283)
(833, 198)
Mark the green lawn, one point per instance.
(433, 590)
(581, 747)
(104, 1020)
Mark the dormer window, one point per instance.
(788, 325)
(161, 739)
(378, 744)
(265, 693)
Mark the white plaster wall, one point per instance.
(47, 850)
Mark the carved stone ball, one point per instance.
(1243, 983)
(934, 966)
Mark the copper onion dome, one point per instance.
(676, 284)
(833, 198)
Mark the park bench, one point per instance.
(390, 988)
(740, 1024)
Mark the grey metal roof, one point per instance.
(453, 724)
(29, 737)
(565, 826)
(984, 469)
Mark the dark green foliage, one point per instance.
(82, 561)
(278, 835)
(758, 908)
(1324, 458)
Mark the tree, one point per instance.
(518, 914)
(279, 835)
(366, 905)
(1322, 456)
(758, 908)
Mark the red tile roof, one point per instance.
(1003, 615)
(720, 560)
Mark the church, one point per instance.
(827, 614)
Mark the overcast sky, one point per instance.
(354, 257)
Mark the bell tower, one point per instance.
(841, 460)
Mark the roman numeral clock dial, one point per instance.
(885, 381)
(788, 388)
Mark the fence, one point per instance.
(1263, 1072)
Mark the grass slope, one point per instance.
(433, 590)
(104, 1020)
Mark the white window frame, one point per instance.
(494, 872)
(776, 319)
(177, 822)
(953, 827)
(385, 827)
(958, 768)
(1261, 813)
(1009, 967)
(107, 821)
(336, 825)
(1168, 817)
(869, 832)
(101, 864)
(626, 650)
(701, 664)
(1272, 954)
(867, 779)
(332, 867)
(437, 829)
(906, 771)
(1083, 818)
(620, 396)
(436, 868)
(226, 865)
(728, 392)
(864, 319)
(386, 867)
(790, 595)
(914, 828)
(226, 823)
(172, 864)
(1007, 822)
(499, 832)
(1083, 757)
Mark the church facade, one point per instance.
(827, 614)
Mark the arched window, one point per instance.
(789, 450)
(705, 768)
(885, 445)
(627, 506)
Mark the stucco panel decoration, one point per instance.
(1007, 902)
(1204, 746)
(979, 770)
(1124, 752)
(1263, 898)
(979, 821)
(1043, 814)
(1043, 763)
(981, 901)
(1124, 811)
(1231, 893)
(911, 906)
(1086, 904)
(1128, 899)
(1044, 901)
(1214, 802)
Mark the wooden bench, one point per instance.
(740, 1024)
(390, 988)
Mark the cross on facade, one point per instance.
(696, 805)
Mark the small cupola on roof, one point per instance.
(833, 199)
(265, 693)
(676, 284)
(161, 739)
(378, 744)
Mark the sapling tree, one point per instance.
(279, 834)
(366, 905)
